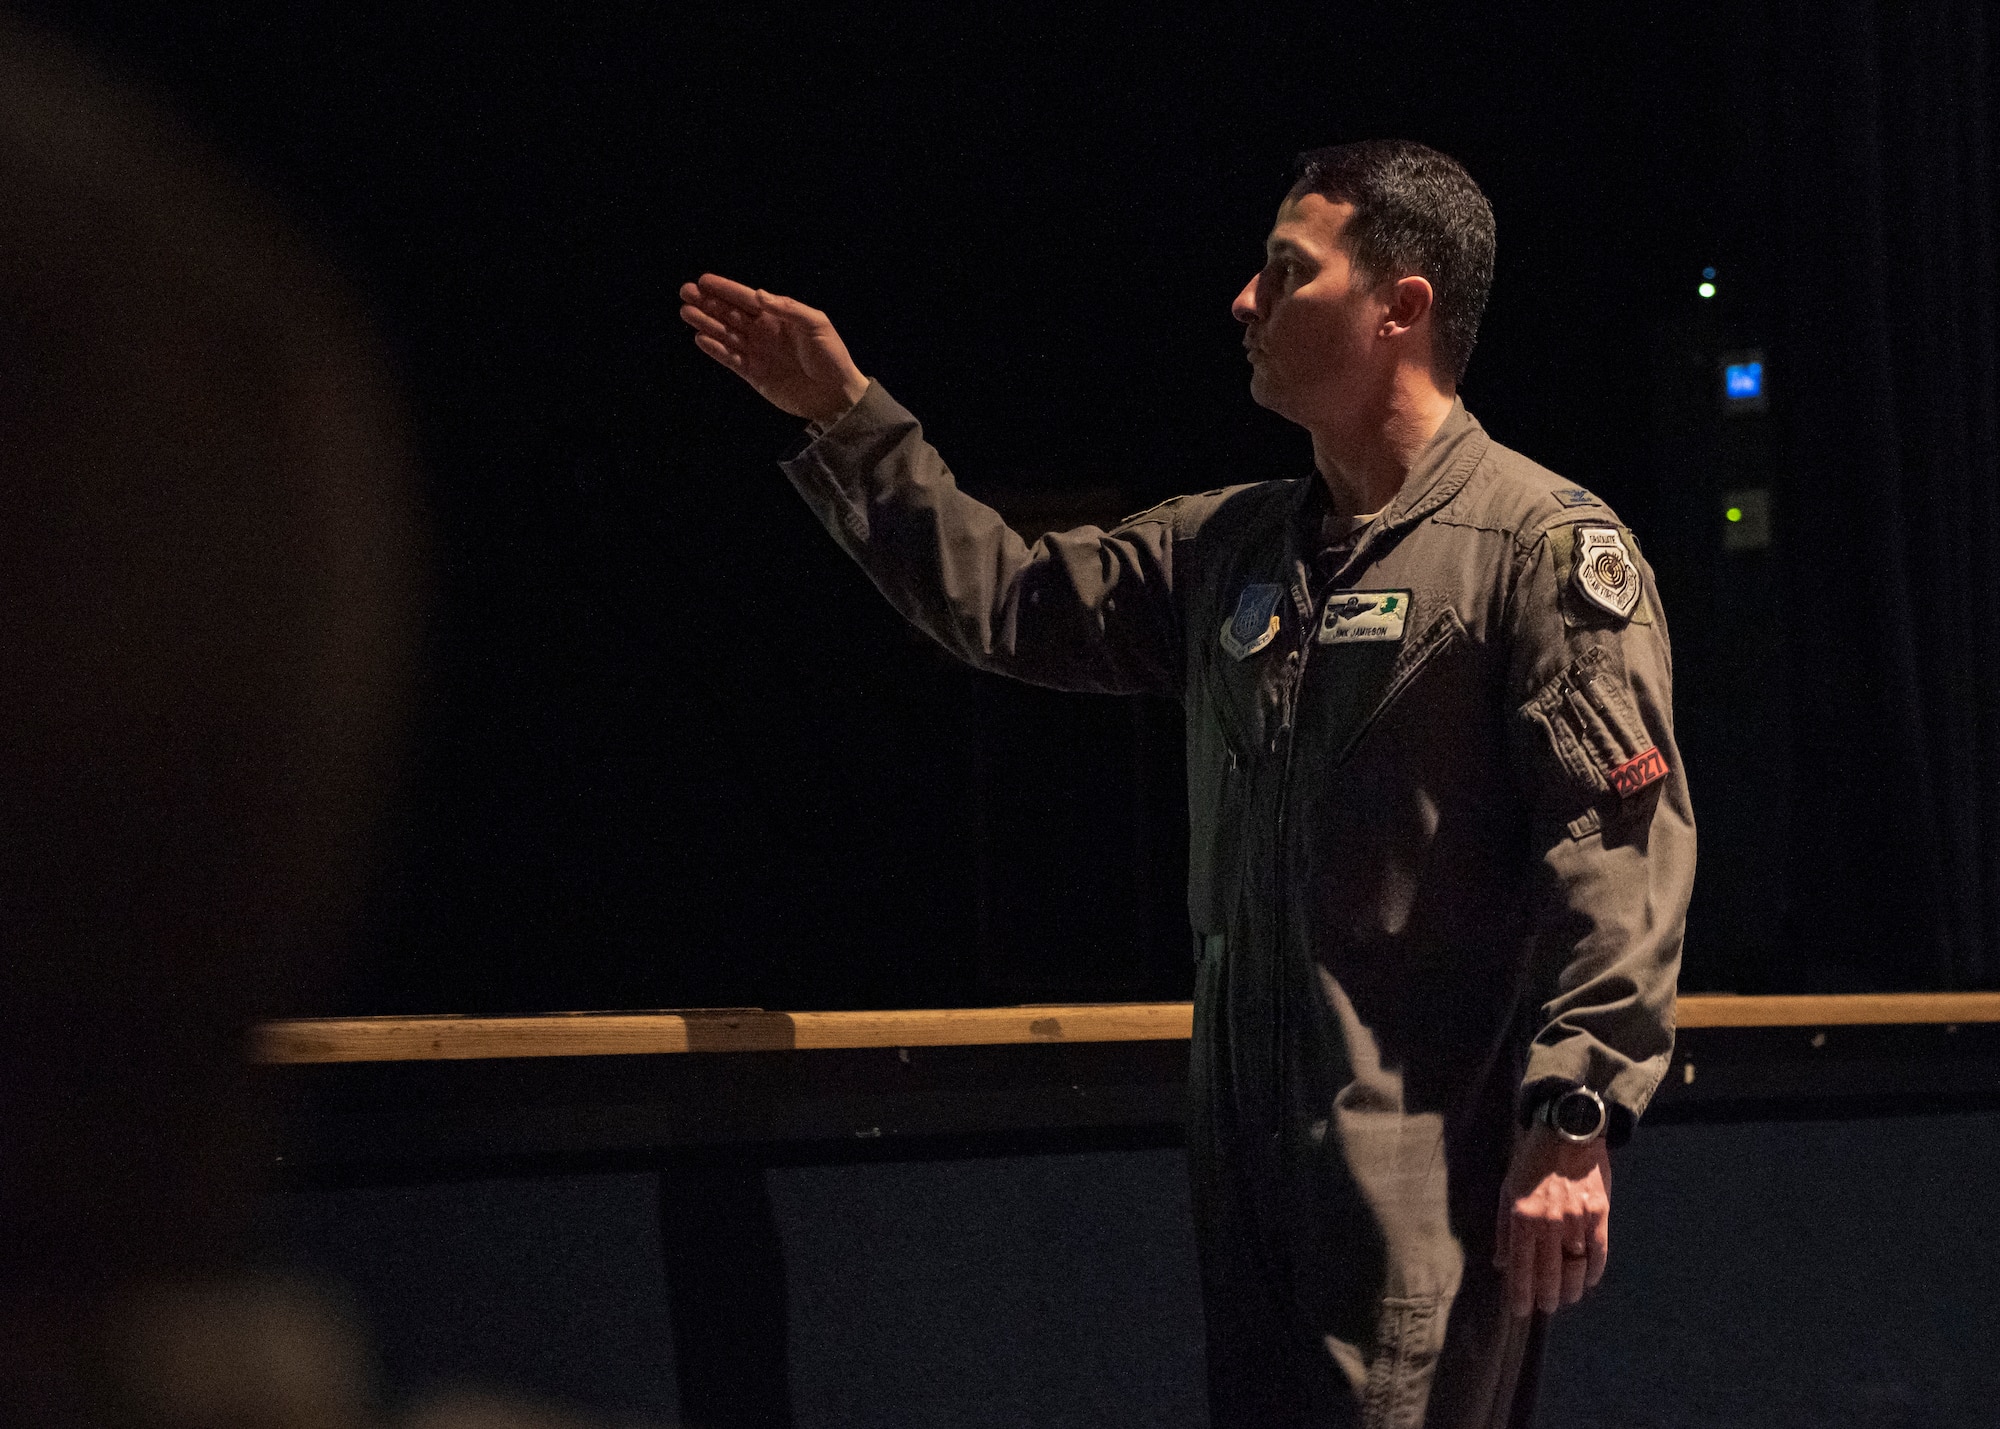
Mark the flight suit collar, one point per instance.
(1455, 451)
(1444, 468)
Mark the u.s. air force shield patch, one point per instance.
(1255, 623)
(1603, 571)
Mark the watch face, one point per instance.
(1578, 1114)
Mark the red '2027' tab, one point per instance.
(1635, 774)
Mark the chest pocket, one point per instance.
(1247, 695)
(1350, 687)
(1233, 711)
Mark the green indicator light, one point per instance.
(1707, 290)
(1734, 513)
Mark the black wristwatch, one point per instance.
(1577, 1115)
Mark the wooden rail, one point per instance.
(1845, 1010)
(600, 1034)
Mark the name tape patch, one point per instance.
(1638, 773)
(1364, 615)
(1255, 623)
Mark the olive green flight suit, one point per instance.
(1440, 862)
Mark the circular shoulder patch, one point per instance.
(1604, 572)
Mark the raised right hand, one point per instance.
(786, 350)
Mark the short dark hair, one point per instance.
(1415, 211)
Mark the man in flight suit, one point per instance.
(1441, 843)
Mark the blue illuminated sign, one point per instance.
(1743, 381)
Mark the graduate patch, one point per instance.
(1604, 573)
(1636, 774)
(1364, 615)
(1255, 623)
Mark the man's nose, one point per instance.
(1244, 309)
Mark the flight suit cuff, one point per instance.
(1620, 1120)
(816, 430)
(846, 468)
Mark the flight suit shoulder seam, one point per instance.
(1530, 535)
(1471, 524)
(1175, 510)
(1533, 496)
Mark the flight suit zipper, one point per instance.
(1291, 682)
(1293, 685)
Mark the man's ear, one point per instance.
(1409, 299)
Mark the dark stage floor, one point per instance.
(1776, 1274)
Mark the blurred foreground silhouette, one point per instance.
(209, 578)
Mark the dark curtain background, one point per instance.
(675, 750)
(1886, 310)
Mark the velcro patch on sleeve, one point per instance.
(1647, 769)
(1605, 573)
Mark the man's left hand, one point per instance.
(1554, 1230)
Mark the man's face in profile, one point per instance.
(1309, 315)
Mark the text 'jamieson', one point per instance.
(1364, 615)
